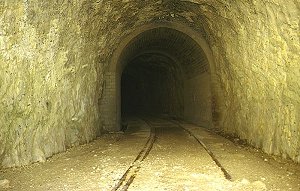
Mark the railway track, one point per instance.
(128, 177)
(211, 154)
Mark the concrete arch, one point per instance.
(110, 106)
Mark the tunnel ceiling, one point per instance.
(153, 46)
(154, 60)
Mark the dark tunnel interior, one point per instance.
(152, 85)
(166, 72)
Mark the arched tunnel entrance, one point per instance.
(160, 71)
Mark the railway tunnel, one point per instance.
(167, 72)
(162, 68)
(208, 91)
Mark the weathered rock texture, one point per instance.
(256, 49)
(53, 55)
(48, 76)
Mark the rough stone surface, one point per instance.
(48, 79)
(256, 49)
(4, 184)
(53, 56)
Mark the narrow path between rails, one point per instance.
(176, 162)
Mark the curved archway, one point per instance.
(190, 53)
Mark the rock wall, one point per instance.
(52, 59)
(256, 50)
(48, 77)
(258, 68)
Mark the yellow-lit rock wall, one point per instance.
(53, 55)
(256, 47)
(48, 79)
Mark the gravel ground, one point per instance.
(176, 162)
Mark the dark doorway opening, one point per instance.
(152, 84)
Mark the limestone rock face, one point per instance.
(52, 59)
(53, 56)
(48, 79)
(4, 184)
(256, 49)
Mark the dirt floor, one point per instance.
(176, 162)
